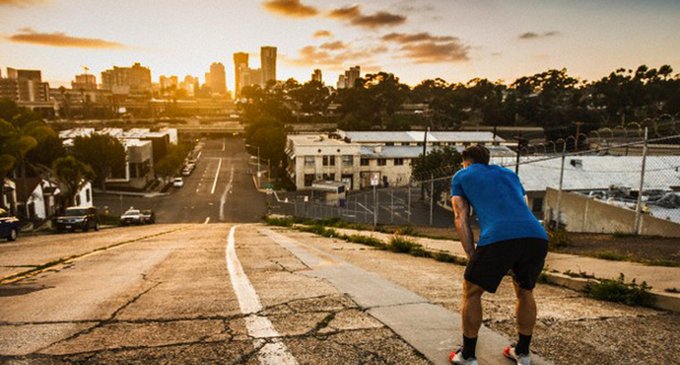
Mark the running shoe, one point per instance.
(521, 359)
(456, 358)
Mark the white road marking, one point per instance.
(274, 352)
(217, 175)
(199, 155)
(224, 145)
(227, 190)
(207, 219)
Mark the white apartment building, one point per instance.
(356, 158)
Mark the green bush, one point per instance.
(558, 238)
(619, 291)
(281, 222)
(400, 244)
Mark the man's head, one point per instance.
(476, 154)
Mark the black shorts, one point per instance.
(523, 258)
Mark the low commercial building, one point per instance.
(142, 147)
(363, 159)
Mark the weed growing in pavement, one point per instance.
(400, 244)
(320, 230)
(672, 290)
(365, 240)
(580, 274)
(280, 222)
(619, 291)
(446, 257)
(610, 255)
(662, 262)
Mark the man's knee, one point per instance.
(471, 290)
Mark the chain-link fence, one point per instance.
(594, 190)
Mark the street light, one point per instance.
(258, 163)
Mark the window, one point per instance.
(88, 195)
(309, 160)
(329, 177)
(347, 160)
(309, 179)
(364, 162)
(382, 162)
(398, 162)
(389, 144)
(329, 160)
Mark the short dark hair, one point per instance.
(477, 154)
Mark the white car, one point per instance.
(178, 182)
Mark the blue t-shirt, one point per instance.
(497, 197)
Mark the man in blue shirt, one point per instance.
(511, 240)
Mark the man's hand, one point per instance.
(461, 211)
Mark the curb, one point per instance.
(660, 300)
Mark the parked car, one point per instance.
(9, 226)
(178, 182)
(132, 216)
(77, 218)
(148, 216)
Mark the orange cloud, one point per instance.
(322, 33)
(59, 39)
(354, 15)
(334, 59)
(291, 8)
(431, 52)
(333, 45)
(416, 37)
(20, 3)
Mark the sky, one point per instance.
(456, 40)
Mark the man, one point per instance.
(511, 240)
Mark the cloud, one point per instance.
(59, 39)
(334, 59)
(333, 45)
(534, 35)
(290, 8)
(322, 33)
(20, 3)
(431, 52)
(354, 15)
(404, 38)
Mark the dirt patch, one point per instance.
(651, 250)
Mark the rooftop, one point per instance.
(418, 136)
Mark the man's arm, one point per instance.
(461, 211)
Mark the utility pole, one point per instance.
(578, 133)
(422, 186)
(559, 192)
(638, 205)
(520, 144)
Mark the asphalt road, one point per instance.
(223, 173)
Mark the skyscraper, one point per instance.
(316, 76)
(25, 85)
(240, 67)
(127, 80)
(352, 75)
(268, 64)
(216, 79)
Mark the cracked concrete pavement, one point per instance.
(168, 298)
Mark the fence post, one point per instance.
(375, 206)
(431, 197)
(638, 205)
(392, 205)
(559, 191)
(409, 201)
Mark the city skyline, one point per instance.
(456, 41)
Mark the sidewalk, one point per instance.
(658, 277)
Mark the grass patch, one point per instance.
(672, 290)
(320, 230)
(661, 262)
(619, 291)
(279, 221)
(611, 256)
(365, 240)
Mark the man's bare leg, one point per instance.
(472, 317)
(525, 311)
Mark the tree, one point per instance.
(169, 164)
(438, 163)
(49, 146)
(105, 155)
(73, 175)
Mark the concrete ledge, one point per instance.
(660, 300)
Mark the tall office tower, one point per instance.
(352, 75)
(26, 85)
(268, 64)
(216, 79)
(127, 80)
(168, 82)
(84, 82)
(189, 85)
(240, 67)
(316, 76)
(342, 82)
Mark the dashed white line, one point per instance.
(207, 219)
(217, 175)
(274, 352)
(227, 190)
